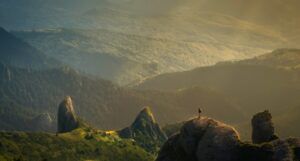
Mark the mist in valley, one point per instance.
(148, 79)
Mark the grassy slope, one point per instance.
(80, 144)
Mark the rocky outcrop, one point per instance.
(202, 139)
(276, 150)
(205, 139)
(145, 131)
(66, 118)
(263, 128)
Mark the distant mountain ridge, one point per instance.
(129, 41)
(16, 52)
(128, 58)
(100, 102)
(26, 93)
(281, 58)
(138, 39)
(268, 81)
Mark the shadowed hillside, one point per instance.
(26, 94)
(268, 81)
(14, 51)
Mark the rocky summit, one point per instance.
(206, 139)
(145, 131)
(201, 139)
(66, 118)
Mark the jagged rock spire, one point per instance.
(145, 130)
(66, 118)
(145, 124)
(145, 115)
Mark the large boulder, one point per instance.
(172, 151)
(66, 118)
(205, 139)
(146, 131)
(219, 142)
(202, 139)
(263, 128)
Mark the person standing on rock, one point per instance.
(199, 112)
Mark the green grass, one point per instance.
(80, 144)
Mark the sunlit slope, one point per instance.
(129, 58)
(267, 82)
(80, 144)
(274, 14)
(279, 15)
(126, 43)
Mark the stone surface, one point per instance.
(66, 119)
(220, 142)
(146, 131)
(206, 139)
(282, 150)
(147, 126)
(202, 139)
(262, 128)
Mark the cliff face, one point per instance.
(66, 118)
(146, 131)
(206, 139)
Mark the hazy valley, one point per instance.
(141, 80)
(132, 46)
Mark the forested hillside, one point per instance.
(269, 81)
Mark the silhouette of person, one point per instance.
(199, 112)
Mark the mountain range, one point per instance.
(128, 58)
(270, 81)
(134, 40)
(16, 52)
(203, 68)
(102, 103)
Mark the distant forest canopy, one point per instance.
(129, 41)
